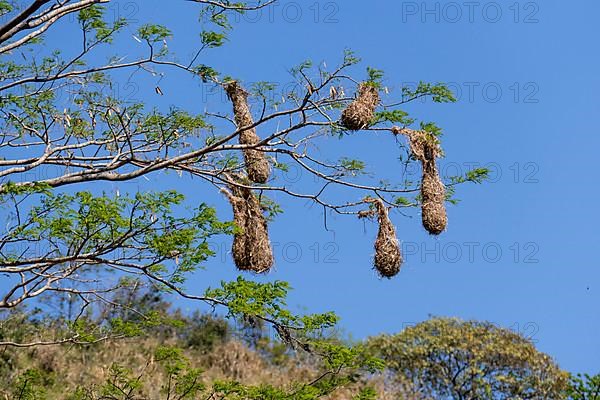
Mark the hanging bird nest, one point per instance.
(257, 166)
(360, 113)
(425, 147)
(388, 257)
(251, 247)
(433, 207)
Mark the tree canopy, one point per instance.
(584, 387)
(66, 132)
(76, 252)
(467, 360)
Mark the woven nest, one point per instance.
(360, 113)
(425, 147)
(251, 247)
(388, 257)
(257, 166)
(433, 207)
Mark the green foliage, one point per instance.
(270, 208)
(10, 69)
(30, 385)
(215, 15)
(450, 192)
(252, 298)
(584, 387)
(153, 33)
(476, 175)
(403, 201)
(206, 73)
(85, 223)
(171, 127)
(205, 332)
(10, 188)
(212, 39)
(121, 383)
(375, 77)
(92, 16)
(352, 167)
(338, 356)
(92, 19)
(267, 301)
(262, 88)
(367, 393)
(281, 166)
(439, 93)
(431, 128)
(297, 70)
(171, 358)
(350, 57)
(5, 7)
(454, 359)
(394, 116)
(219, 19)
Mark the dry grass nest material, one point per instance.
(257, 165)
(360, 113)
(251, 247)
(425, 147)
(388, 257)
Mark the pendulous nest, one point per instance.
(257, 165)
(433, 207)
(425, 148)
(251, 247)
(360, 113)
(388, 257)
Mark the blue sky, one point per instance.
(520, 251)
(528, 109)
(537, 135)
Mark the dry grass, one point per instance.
(74, 367)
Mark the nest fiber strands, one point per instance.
(257, 166)
(360, 113)
(251, 247)
(425, 148)
(388, 257)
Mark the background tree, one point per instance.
(468, 360)
(72, 240)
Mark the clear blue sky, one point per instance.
(528, 109)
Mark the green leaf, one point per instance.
(212, 39)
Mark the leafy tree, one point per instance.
(584, 387)
(67, 129)
(468, 360)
